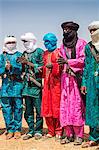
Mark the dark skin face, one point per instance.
(67, 29)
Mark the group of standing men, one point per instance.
(59, 100)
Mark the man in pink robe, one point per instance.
(71, 107)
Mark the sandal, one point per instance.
(17, 135)
(89, 144)
(27, 137)
(38, 136)
(65, 141)
(57, 138)
(78, 141)
(9, 136)
(47, 136)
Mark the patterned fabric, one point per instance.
(29, 115)
(72, 107)
(70, 130)
(33, 93)
(13, 118)
(11, 87)
(91, 81)
(30, 89)
(11, 91)
(94, 134)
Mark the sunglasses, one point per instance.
(93, 30)
(10, 36)
(11, 42)
(24, 41)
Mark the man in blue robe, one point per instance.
(11, 91)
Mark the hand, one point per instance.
(61, 60)
(68, 69)
(4, 75)
(23, 75)
(83, 90)
(49, 66)
(0, 82)
(8, 65)
(97, 58)
(40, 69)
(22, 60)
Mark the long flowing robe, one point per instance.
(32, 92)
(72, 107)
(52, 85)
(11, 88)
(36, 58)
(91, 81)
(11, 91)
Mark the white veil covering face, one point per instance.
(95, 34)
(10, 45)
(29, 42)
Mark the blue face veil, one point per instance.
(50, 41)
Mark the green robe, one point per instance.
(30, 89)
(91, 81)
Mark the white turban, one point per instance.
(28, 37)
(31, 43)
(95, 34)
(94, 25)
(9, 39)
(10, 48)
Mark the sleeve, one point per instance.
(16, 66)
(77, 64)
(85, 72)
(56, 70)
(16, 70)
(44, 65)
(2, 65)
(40, 62)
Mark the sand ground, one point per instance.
(32, 144)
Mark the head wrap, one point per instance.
(50, 41)
(10, 44)
(70, 36)
(30, 41)
(93, 25)
(71, 25)
(9, 39)
(95, 34)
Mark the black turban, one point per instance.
(70, 37)
(71, 25)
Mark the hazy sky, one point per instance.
(43, 16)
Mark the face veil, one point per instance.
(70, 36)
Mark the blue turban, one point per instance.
(50, 41)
